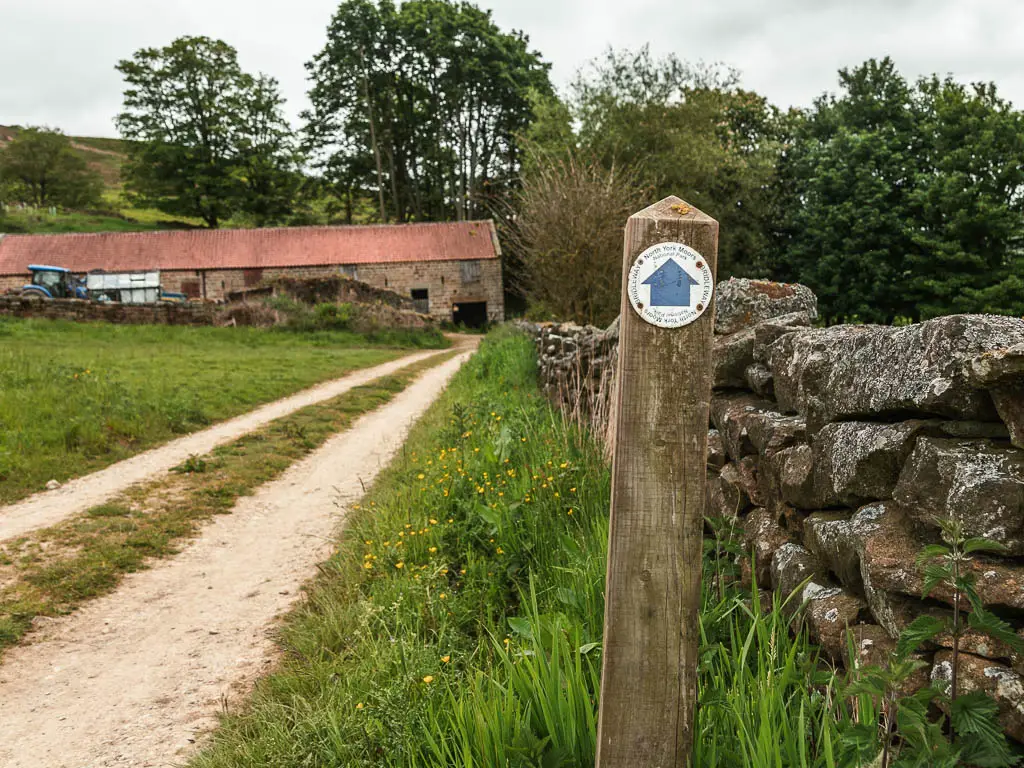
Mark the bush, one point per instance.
(333, 317)
(569, 235)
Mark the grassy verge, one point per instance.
(459, 623)
(77, 397)
(403, 653)
(52, 571)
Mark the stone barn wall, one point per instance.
(447, 283)
(836, 450)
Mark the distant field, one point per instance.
(75, 398)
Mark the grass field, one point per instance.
(460, 623)
(41, 222)
(52, 571)
(77, 397)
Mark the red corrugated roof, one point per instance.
(250, 248)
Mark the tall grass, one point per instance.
(460, 622)
(76, 397)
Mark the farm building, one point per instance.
(451, 270)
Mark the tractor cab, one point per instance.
(53, 283)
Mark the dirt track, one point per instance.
(135, 677)
(78, 495)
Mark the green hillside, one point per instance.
(105, 156)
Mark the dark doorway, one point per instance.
(472, 314)
(421, 300)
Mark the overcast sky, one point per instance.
(57, 56)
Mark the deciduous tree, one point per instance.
(421, 106)
(905, 201)
(692, 132)
(208, 140)
(39, 166)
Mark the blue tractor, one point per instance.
(53, 283)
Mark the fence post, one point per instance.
(663, 392)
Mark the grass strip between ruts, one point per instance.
(52, 571)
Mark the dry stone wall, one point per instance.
(127, 314)
(377, 308)
(837, 450)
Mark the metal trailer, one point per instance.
(124, 287)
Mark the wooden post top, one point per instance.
(673, 208)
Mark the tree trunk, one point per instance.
(373, 137)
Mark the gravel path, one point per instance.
(134, 678)
(76, 496)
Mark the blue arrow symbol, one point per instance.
(670, 285)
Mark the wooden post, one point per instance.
(652, 595)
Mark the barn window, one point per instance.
(349, 270)
(470, 271)
(420, 300)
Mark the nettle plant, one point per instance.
(909, 735)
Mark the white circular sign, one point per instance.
(670, 285)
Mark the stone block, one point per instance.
(742, 303)
(865, 372)
(978, 482)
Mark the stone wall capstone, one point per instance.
(836, 451)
